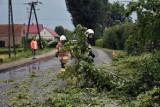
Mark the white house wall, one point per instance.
(46, 35)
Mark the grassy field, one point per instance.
(3, 56)
(20, 54)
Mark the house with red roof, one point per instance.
(19, 31)
(33, 30)
(49, 35)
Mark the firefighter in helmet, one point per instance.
(63, 56)
(89, 34)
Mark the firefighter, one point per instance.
(89, 34)
(63, 56)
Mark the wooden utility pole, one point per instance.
(32, 5)
(11, 28)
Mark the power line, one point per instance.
(32, 7)
(11, 28)
(125, 1)
(32, 14)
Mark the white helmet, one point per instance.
(62, 38)
(89, 31)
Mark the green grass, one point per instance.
(20, 54)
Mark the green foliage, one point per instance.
(116, 36)
(76, 97)
(23, 42)
(21, 99)
(89, 13)
(53, 44)
(136, 78)
(68, 34)
(133, 46)
(18, 45)
(120, 56)
(44, 43)
(96, 14)
(116, 15)
(99, 43)
(148, 99)
(59, 30)
(25, 54)
(82, 72)
(147, 26)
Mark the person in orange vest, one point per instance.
(34, 47)
(63, 56)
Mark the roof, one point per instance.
(18, 30)
(52, 32)
(33, 28)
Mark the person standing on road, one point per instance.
(89, 34)
(61, 54)
(34, 47)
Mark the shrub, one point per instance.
(137, 75)
(53, 44)
(44, 43)
(116, 36)
(99, 43)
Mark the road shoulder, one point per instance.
(26, 61)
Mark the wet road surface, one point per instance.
(102, 57)
(41, 65)
(20, 82)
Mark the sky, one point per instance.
(50, 13)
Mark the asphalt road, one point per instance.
(19, 80)
(45, 62)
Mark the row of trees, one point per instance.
(112, 23)
(95, 14)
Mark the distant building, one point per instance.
(19, 31)
(49, 35)
(33, 30)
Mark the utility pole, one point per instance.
(32, 17)
(11, 27)
(32, 5)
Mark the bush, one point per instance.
(149, 98)
(44, 43)
(137, 75)
(133, 46)
(99, 43)
(53, 44)
(116, 36)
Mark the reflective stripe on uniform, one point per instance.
(89, 46)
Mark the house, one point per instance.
(33, 30)
(19, 31)
(49, 35)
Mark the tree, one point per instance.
(116, 15)
(68, 34)
(59, 30)
(148, 24)
(88, 13)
